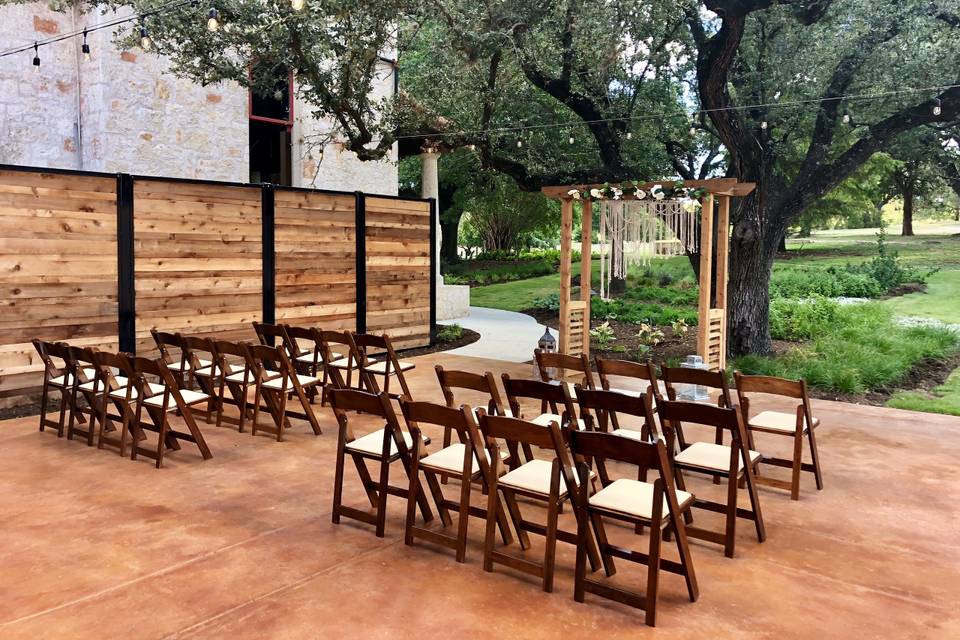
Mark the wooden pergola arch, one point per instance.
(712, 309)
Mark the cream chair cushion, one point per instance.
(451, 459)
(305, 381)
(707, 455)
(189, 397)
(381, 367)
(544, 420)
(778, 421)
(634, 498)
(372, 443)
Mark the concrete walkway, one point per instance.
(504, 335)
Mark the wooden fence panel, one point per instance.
(315, 247)
(398, 269)
(58, 257)
(198, 259)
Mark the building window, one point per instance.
(271, 119)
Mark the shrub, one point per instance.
(638, 312)
(449, 332)
(603, 335)
(801, 319)
(549, 302)
(662, 295)
(862, 349)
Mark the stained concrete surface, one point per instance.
(241, 546)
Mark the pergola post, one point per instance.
(706, 276)
(566, 233)
(586, 250)
(723, 251)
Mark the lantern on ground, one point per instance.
(547, 344)
(693, 392)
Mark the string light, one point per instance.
(36, 58)
(571, 140)
(692, 131)
(298, 5)
(629, 135)
(213, 19)
(472, 147)
(846, 118)
(937, 110)
(85, 48)
(763, 125)
(519, 143)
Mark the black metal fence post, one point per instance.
(126, 291)
(434, 268)
(360, 229)
(269, 251)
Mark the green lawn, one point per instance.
(514, 296)
(943, 399)
(941, 300)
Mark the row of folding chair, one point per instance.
(799, 425)
(103, 394)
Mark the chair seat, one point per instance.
(533, 477)
(372, 443)
(635, 498)
(544, 420)
(308, 357)
(189, 397)
(380, 368)
(450, 459)
(185, 366)
(343, 363)
(67, 378)
(476, 415)
(778, 422)
(633, 434)
(121, 393)
(710, 456)
(305, 381)
(236, 374)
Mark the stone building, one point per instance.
(123, 111)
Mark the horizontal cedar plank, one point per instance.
(29, 202)
(222, 264)
(299, 278)
(66, 227)
(46, 292)
(64, 246)
(373, 203)
(155, 187)
(41, 192)
(66, 332)
(58, 181)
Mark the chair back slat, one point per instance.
(562, 361)
(451, 379)
(514, 430)
(607, 367)
(771, 385)
(595, 444)
(702, 377)
(699, 413)
(344, 400)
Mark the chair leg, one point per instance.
(797, 461)
(731, 523)
(653, 575)
(815, 458)
(550, 548)
(412, 494)
(488, 539)
(43, 405)
(382, 497)
(338, 480)
(463, 520)
(514, 510)
(580, 572)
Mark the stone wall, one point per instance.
(124, 111)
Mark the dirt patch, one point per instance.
(904, 289)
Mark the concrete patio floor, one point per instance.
(241, 546)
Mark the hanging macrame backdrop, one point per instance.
(645, 229)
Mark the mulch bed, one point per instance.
(468, 336)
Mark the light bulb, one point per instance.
(472, 147)
(846, 118)
(213, 22)
(298, 4)
(693, 131)
(85, 48)
(145, 42)
(571, 140)
(629, 135)
(36, 58)
(519, 143)
(937, 110)
(763, 125)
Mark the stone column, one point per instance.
(430, 188)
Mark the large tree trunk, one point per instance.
(748, 289)
(908, 197)
(449, 234)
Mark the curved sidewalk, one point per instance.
(504, 335)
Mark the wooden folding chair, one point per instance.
(114, 383)
(233, 378)
(715, 380)
(537, 480)
(57, 377)
(465, 460)
(611, 371)
(554, 367)
(157, 397)
(796, 425)
(735, 462)
(173, 352)
(383, 446)
(386, 365)
(655, 504)
(341, 371)
(274, 379)
(304, 349)
(556, 401)
(201, 368)
(611, 404)
(84, 373)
